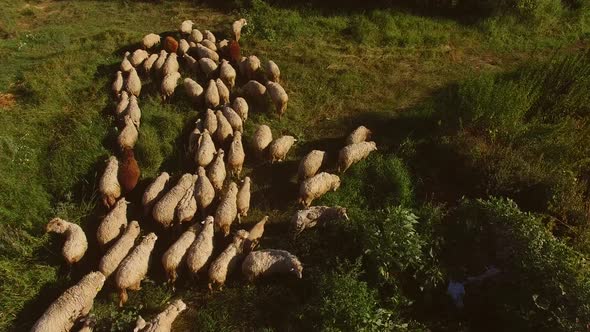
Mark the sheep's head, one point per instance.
(373, 146)
(133, 225)
(208, 221)
(57, 225)
(336, 183)
(296, 268)
(179, 305)
(150, 238)
(342, 213)
(240, 235)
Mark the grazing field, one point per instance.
(482, 121)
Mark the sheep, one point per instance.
(216, 171)
(192, 64)
(243, 199)
(157, 67)
(117, 83)
(125, 64)
(205, 150)
(241, 107)
(169, 84)
(262, 263)
(211, 95)
(208, 44)
(154, 192)
(123, 103)
(273, 73)
(134, 267)
(170, 65)
(150, 40)
(88, 324)
(201, 249)
(133, 83)
(204, 191)
(223, 92)
(186, 27)
(313, 215)
(261, 139)
(112, 224)
(113, 257)
(187, 207)
(223, 48)
(196, 36)
(183, 47)
(311, 164)
(360, 134)
(204, 52)
(278, 96)
(148, 64)
(227, 211)
(227, 261)
(134, 111)
(76, 243)
(193, 90)
(253, 90)
(317, 186)
(252, 66)
(209, 36)
(236, 155)
(255, 234)
(193, 138)
(128, 136)
(173, 257)
(353, 153)
(74, 303)
(227, 74)
(208, 67)
(109, 186)
(163, 321)
(170, 44)
(224, 130)
(242, 66)
(210, 121)
(138, 56)
(128, 171)
(237, 26)
(234, 119)
(278, 148)
(163, 211)
(234, 52)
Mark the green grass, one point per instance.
(408, 77)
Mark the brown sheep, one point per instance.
(128, 171)
(170, 45)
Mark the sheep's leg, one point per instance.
(122, 297)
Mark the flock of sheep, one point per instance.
(211, 194)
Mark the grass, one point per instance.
(393, 70)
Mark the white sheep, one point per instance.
(227, 74)
(117, 85)
(273, 73)
(125, 64)
(123, 103)
(241, 107)
(163, 321)
(310, 217)
(138, 56)
(278, 96)
(243, 199)
(159, 64)
(112, 224)
(187, 207)
(227, 211)
(171, 65)
(253, 90)
(169, 85)
(223, 92)
(192, 64)
(267, 262)
(360, 134)
(76, 243)
(154, 192)
(186, 27)
(353, 153)
(148, 64)
(128, 136)
(193, 90)
(133, 83)
(150, 40)
(209, 36)
(255, 234)
(261, 139)
(74, 303)
(205, 150)
(216, 171)
(109, 186)
(134, 267)
(196, 36)
(183, 47)
(311, 164)
(201, 249)
(317, 186)
(113, 257)
(234, 119)
(227, 261)
(204, 191)
(252, 66)
(207, 66)
(236, 155)
(175, 255)
(209, 44)
(279, 148)
(211, 95)
(163, 211)
(210, 121)
(224, 130)
(204, 52)
(237, 26)
(133, 111)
